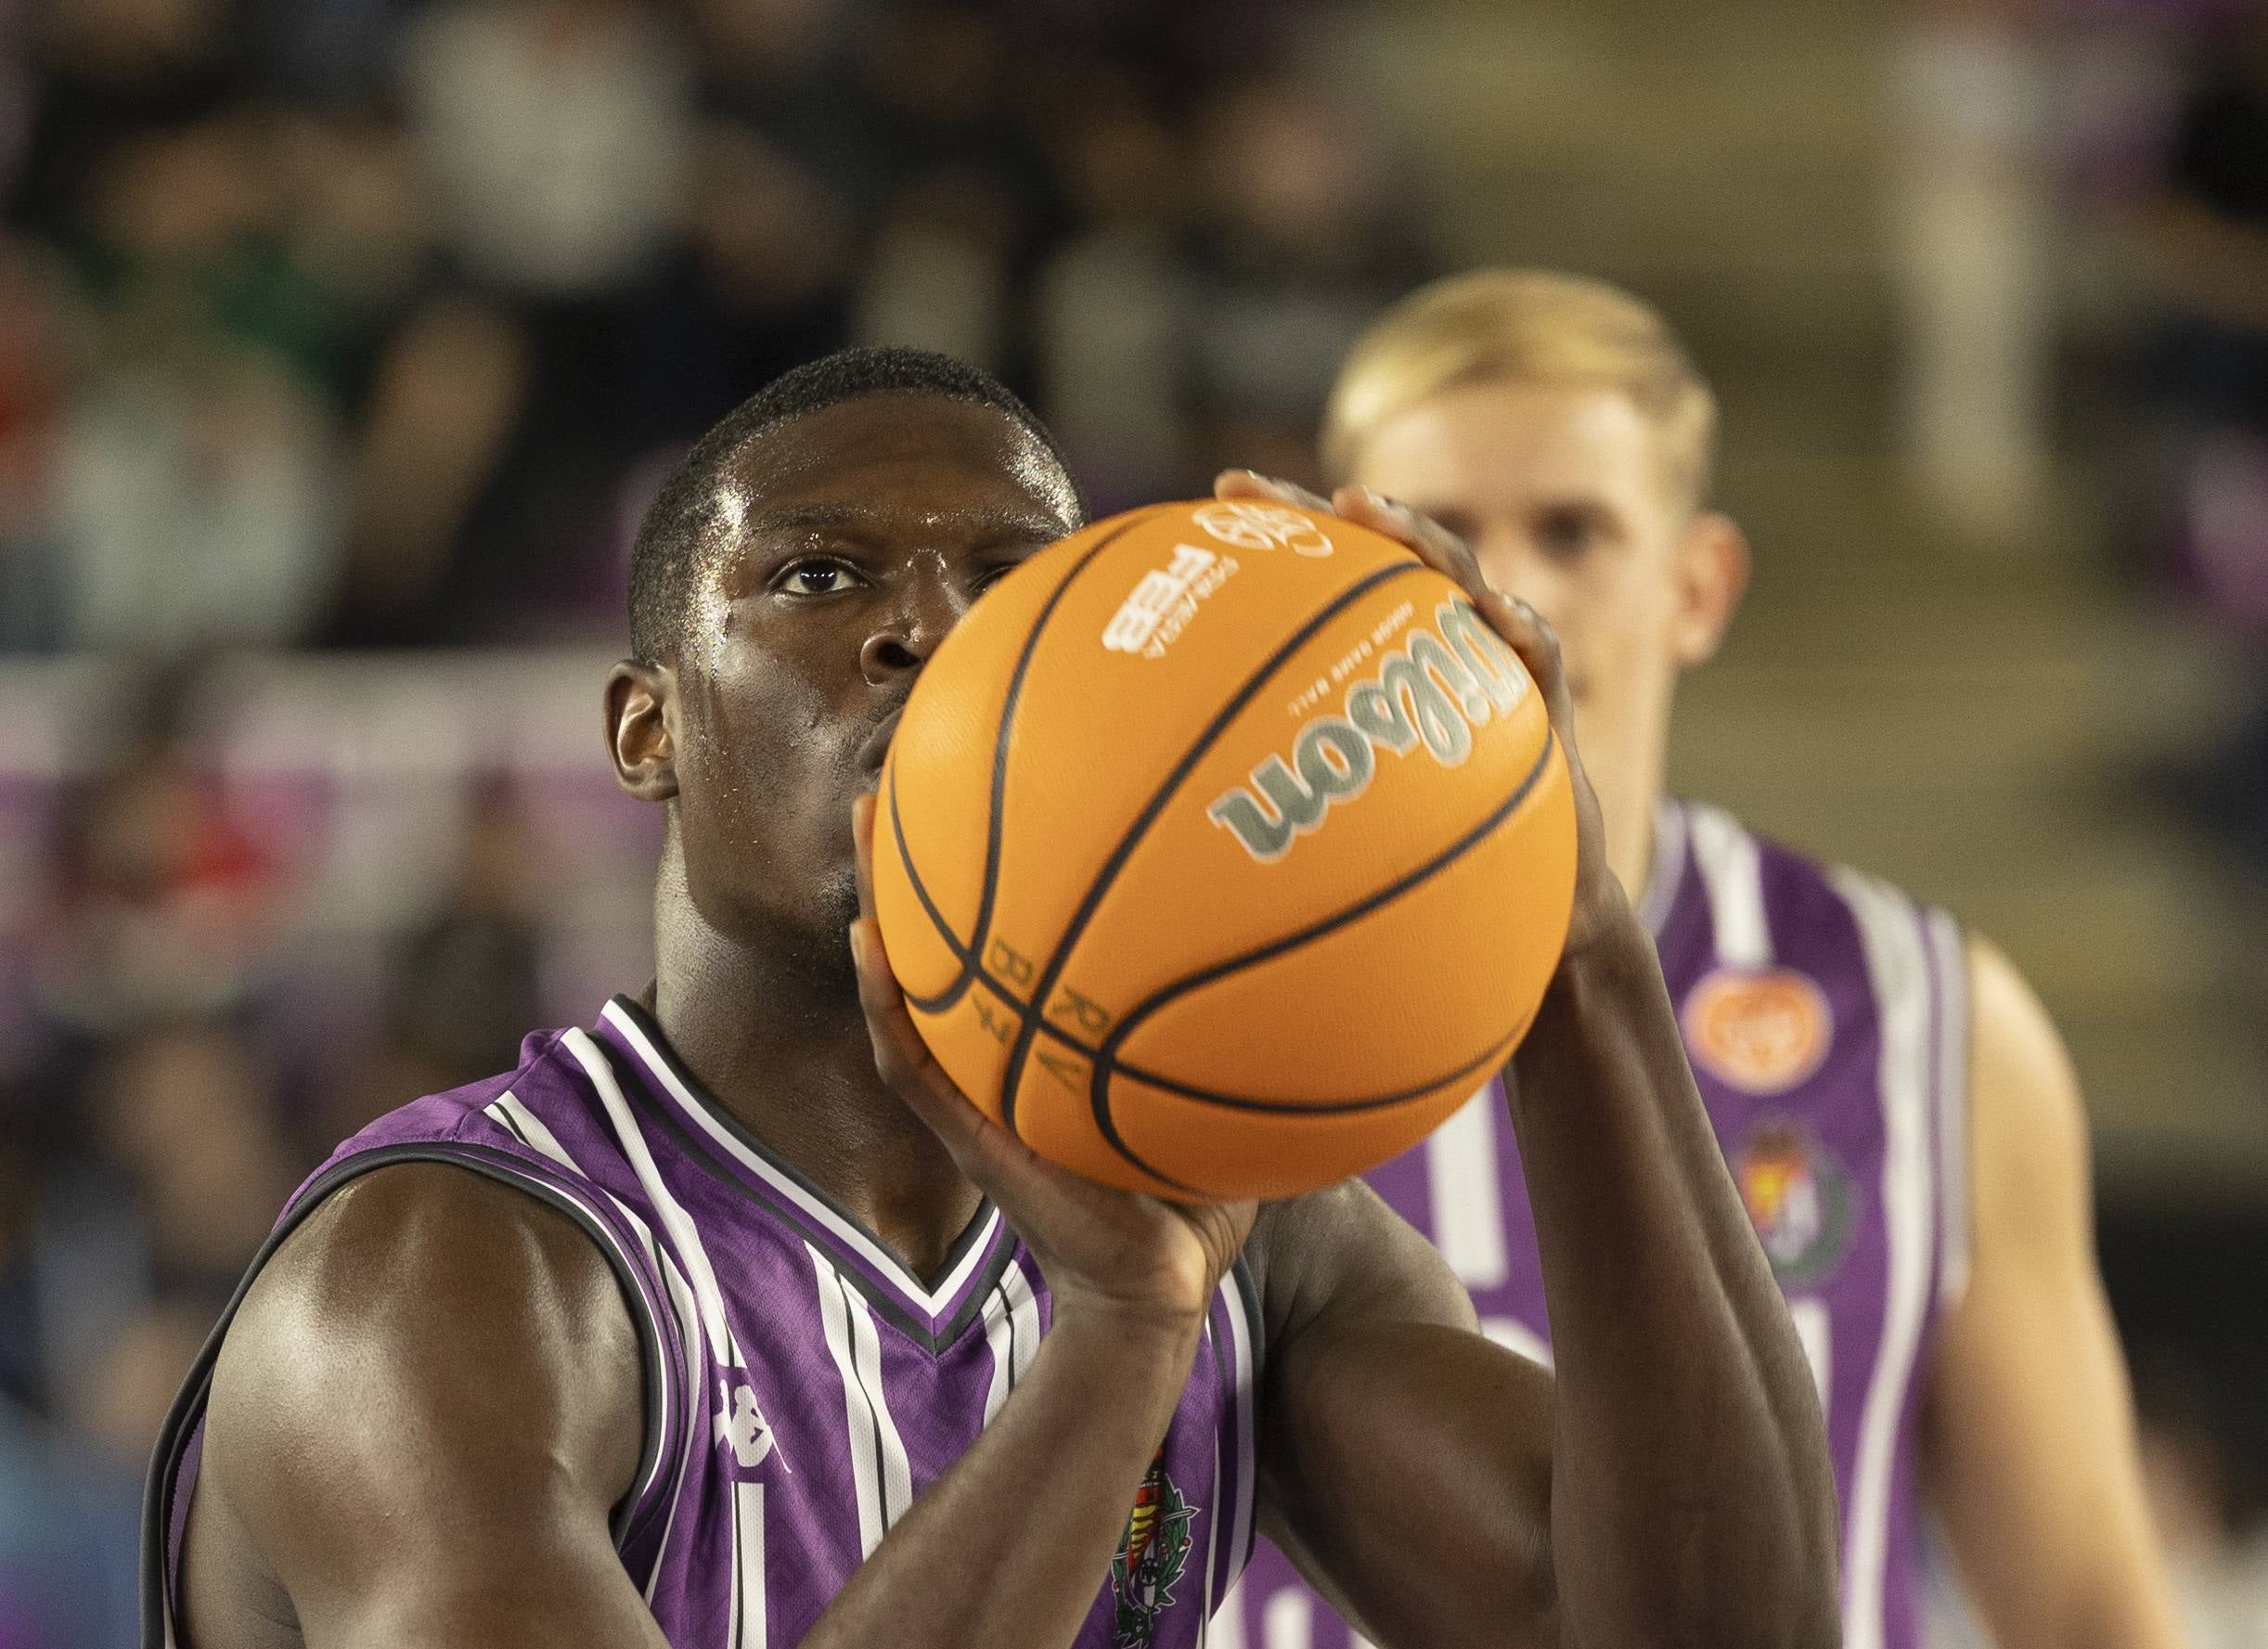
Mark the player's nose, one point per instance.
(921, 615)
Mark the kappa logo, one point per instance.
(1264, 526)
(1798, 1198)
(1152, 1556)
(1765, 1030)
(741, 1424)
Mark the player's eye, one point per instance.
(993, 575)
(818, 576)
(1569, 534)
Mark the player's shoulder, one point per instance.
(480, 1113)
(1742, 874)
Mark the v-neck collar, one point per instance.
(847, 1242)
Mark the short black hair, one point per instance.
(665, 559)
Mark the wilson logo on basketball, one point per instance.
(1433, 691)
(1762, 1030)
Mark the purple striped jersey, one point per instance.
(1824, 1014)
(801, 1388)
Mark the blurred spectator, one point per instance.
(1301, 238)
(160, 902)
(2206, 239)
(464, 982)
(1971, 237)
(2197, 1500)
(1113, 307)
(108, 70)
(556, 135)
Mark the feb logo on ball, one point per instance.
(1762, 1030)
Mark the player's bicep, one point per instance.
(421, 1416)
(1378, 1382)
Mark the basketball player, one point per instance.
(1897, 1111)
(727, 1323)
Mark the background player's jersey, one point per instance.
(1824, 1014)
(801, 1388)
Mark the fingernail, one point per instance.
(858, 944)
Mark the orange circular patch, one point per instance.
(1761, 1030)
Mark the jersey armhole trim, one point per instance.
(627, 1517)
(1949, 956)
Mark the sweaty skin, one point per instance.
(2027, 1444)
(360, 1487)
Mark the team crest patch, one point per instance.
(1799, 1200)
(1152, 1554)
(1763, 1030)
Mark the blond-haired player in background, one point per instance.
(1897, 1110)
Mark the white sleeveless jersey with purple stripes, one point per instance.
(1824, 1015)
(802, 1387)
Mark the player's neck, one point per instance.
(1629, 843)
(781, 1044)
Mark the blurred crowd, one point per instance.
(371, 322)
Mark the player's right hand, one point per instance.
(1136, 1262)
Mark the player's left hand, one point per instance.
(1133, 1262)
(1599, 898)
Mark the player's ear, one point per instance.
(639, 734)
(1712, 574)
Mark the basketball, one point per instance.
(1223, 850)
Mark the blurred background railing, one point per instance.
(342, 341)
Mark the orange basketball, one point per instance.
(1223, 850)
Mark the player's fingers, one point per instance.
(1528, 633)
(1251, 484)
(1435, 544)
(901, 1058)
(862, 840)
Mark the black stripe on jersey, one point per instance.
(188, 1406)
(886, 1304)
(628, 1074)
(1248, 1295)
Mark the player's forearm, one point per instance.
(1692, 1498)
(1009, 1549)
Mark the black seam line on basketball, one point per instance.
(975, 948)
(1106, 1056)
(1491, 1057)
(1134, 832)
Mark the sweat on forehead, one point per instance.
(718, 485)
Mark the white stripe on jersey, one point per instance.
(748, 1615)
(1668, 868)
(675, 1220)
(935, 1302)
(1951, 959)
(1226, 1629)
(1287, 1621)
(1732, 869)
(1462, 1177)
(681, 1298)
(1892, 935)
(518, 1119)
(1243, 1337)
(880, 1474)
(1012, 1331)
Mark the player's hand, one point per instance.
(1600, 902)
(1139, 1262)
